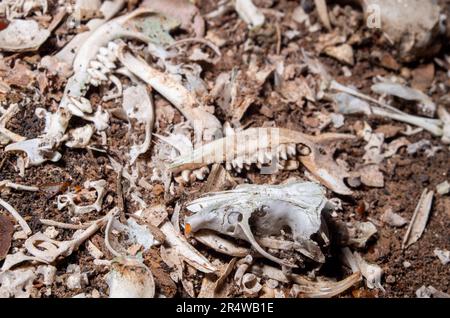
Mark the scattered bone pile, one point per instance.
(175, 148)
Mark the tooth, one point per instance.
(254, 158)
(103, 51)
(291, 165)
(179, 179)
(282, 152)
(97, 74)
(205, 170)
(259, 165)
(240, 162)
(228, 166)
(99, 66)
(192, 178)
(227, 129)
(112, 47)
(247, 166)
(185, 175)
(291, 151)
(198, 174)
(75, 110)
(105, 61)
(95, 82)
(82, 104)
(201, 173)
(268, 157)
(260, 157)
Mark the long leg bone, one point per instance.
(174, 92)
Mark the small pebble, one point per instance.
(390, 279)
(406, 264)
(443, 188)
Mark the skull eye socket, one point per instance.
(234, 217)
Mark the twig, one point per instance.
(278, 30)
(121, 203)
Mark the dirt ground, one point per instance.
(405, 175)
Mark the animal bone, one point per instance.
(298, 206)
(250, 285)
(360, 233)
(321, 7)
(96, 57)
(93, 62)
(6, 135)
(393, 219)
(220, 244)
(444, 116)
(16, 216)
(430, 292)
(263, 145)
(186, 252)
(217, 289)
(242, 266)
(80, 137)
(22, 36)
(108, 9)
(140, 234)
(12, 260)
(323, 289)
(15, 186)
(68, 199)
(85, 10)
(419, 219)
(139, 107)
(13, 9)
(130, 278)
(17, 283)
(425, 102)
(249, 13)
(38, 150)
(305, 287)
(206, 125)
(350, 101)
(371, 272)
